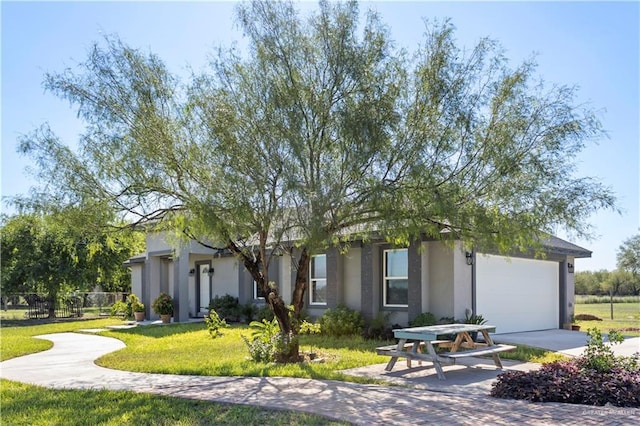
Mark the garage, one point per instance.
(516, 294)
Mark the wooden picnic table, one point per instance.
(427, 338)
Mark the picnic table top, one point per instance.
(433, 332)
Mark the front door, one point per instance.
(203, 288)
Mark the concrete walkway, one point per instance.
(69, 364)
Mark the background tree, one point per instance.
(628, 259)
(39, 254)
(320, 132)
(618, 282)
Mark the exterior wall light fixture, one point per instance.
(469, 257)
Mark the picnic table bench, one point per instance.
(420, 343)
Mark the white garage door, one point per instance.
(517, 294)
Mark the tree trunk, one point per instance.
(259, 270)
(302, 278)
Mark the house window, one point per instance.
(318, 279)
(396, 278)
(257, 291)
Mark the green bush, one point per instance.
(307, 327)
(249, 311)
(134, 303)
(341, 321)
(264, 340)
(598, 377)
(264, 313)
(423, 320)
(599, 356)
(379, 328)
(214, 324)
(227, 306)
(121, 308)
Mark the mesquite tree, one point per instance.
(323, 130)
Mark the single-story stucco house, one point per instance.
(516, 293)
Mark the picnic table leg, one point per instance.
(434, 359)
(496, 357)
(393, 359)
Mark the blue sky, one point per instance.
(594, 45)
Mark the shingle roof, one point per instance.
(560, 246)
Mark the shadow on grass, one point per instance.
(29, 322)
(164, 330)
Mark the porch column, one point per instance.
(415, 280)
(181, 288)
(367, 279)
(334, 281)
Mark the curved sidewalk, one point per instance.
(69, 364)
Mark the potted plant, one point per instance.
(574, 325)
(163, 306)
(137, 307)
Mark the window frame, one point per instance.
(386, 278)
(255, 291)
(313, 280)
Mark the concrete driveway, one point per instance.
(564, 341)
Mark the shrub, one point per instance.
(214, 324)
(120, 308)
(379, 328)
(263, 343)
(227, 306)
(596, 378)
(446, 320)
(134, 303)
(598, 356)
(423, 320)
(264, 313)
(307, 327)
(249, 311)
(341, 321)
(471, 318)
(565, 381)
(163, 304)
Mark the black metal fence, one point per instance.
(72, 305)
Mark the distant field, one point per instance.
(580, 298)
(626, 317)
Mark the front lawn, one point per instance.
(17, 339)
(188, 349)
(34, 405)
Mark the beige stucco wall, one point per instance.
(225, 277)
(136, 280)
(157, 242)
(462, 277)
(440, 270)
(570, 295)
(351, 282)
(424, 279)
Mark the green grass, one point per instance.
(626, 317)
(188, 349)
(17, 338)
(531, 354)
(34, 405)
